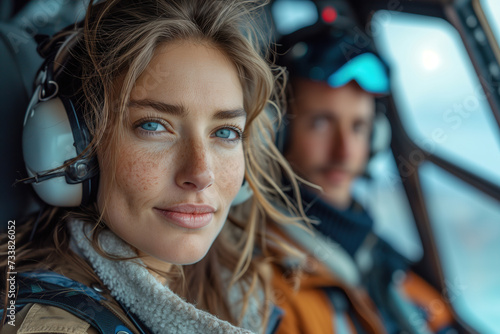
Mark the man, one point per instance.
(350, 281)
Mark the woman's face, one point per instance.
(180, 162)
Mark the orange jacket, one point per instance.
(308, 308)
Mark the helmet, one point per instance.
(335, 55)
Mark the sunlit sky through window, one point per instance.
(437, 91)
(492, 10)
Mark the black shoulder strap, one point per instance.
(76, 302)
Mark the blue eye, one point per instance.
(152, 126)
(227, 133)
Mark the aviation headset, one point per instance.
(56, 138)
(335, 55)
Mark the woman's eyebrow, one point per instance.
(228, 114)
(158, 106)
(178, 110)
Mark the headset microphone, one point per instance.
(74, 173)
(40, 178)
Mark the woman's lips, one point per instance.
(188, 215)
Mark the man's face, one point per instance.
(330, 136)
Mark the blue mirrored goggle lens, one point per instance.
(367, 70)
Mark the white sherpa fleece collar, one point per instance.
(155, 305)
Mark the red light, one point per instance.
(329, 14)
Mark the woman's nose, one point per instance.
(195, 170)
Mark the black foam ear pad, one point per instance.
(85, 170)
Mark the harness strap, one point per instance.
(75, 302)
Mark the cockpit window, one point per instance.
(466, 226)
(442, 104)
(291, 15)
(444, 110)
(384, 197)
(491, 9)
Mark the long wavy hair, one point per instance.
(115, 43)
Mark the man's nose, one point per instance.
(341, 146)
(195, 171)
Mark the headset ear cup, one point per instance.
(47, 144)
(53, 134)
(381, 134)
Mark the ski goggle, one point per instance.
(330, 59)
(369, 72)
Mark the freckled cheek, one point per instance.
(229, 174)
(139, 173)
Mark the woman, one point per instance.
(172, 93)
